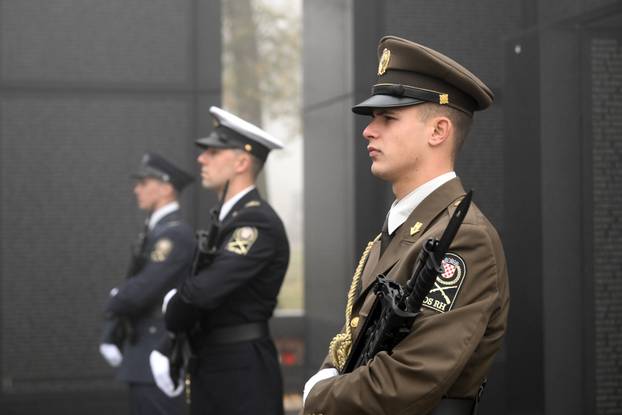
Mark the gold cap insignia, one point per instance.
(161, 250)
(443, 99)
(415, 228)
(384, 61)
(242, 240)
(248, 147)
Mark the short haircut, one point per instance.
(461, 122)
(256, 163)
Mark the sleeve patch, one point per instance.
(161, 250)
(242, 240)
(445, 290)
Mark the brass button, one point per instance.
(354, 322)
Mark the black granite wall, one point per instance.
(86, 87)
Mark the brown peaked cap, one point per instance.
(410, 73)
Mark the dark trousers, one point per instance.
(147, 399)
(238, 379)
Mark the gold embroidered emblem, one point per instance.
(384, 61)
(242, 240)
(161, 250)
(253, 203)
(415, 228)
(443, 99)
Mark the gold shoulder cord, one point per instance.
(340, 345)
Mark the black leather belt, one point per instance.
(452, 406)
(235, 334)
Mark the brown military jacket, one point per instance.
(453, 342)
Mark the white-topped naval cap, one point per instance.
(226, 119)
(231, 131)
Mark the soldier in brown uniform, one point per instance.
(421, 109)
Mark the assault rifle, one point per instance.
(182, 356)
(395, 308)
(117, 329)
(206, 240)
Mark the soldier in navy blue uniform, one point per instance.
(229, 302)
(163, 258)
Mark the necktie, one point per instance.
(385, 238)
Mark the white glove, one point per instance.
(318, 377)
(167, 298)
(160, 369)
(111, 353)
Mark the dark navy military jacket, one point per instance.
(167, 253)
(240, 286)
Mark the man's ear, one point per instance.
(441, 130)
(243, 163)
(168, 190)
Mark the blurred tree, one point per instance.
(262, 58)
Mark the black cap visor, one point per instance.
(216, 141)
(368, 106)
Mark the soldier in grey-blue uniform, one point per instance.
(162, 259)
(226, 305)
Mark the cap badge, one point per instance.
(443, 99)
(384, 61)
(248, 147)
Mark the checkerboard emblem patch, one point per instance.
(449, 270)
(447, 285)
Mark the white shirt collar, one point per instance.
(226, 207)
(162, 212)
(401, 209)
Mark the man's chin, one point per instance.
(379, 173)
(209, 185)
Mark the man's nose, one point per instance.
(370, 132)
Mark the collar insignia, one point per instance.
(415, 228)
